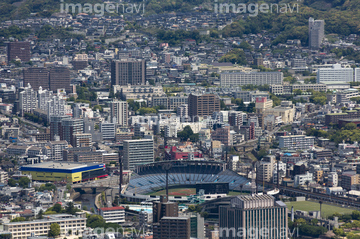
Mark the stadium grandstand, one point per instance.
(152, 177)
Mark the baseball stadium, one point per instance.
(184, 179)
(67, 172)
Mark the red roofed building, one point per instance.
(178, 153)
(113, 214)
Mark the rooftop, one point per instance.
(60, 165)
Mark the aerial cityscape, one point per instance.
(179, 119)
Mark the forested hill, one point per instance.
(341, 16)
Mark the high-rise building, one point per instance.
(172, 227)
(70, 127)
(27, 100)
(316, 33)
(138, 152)
(129, 71)
(18, 50)
(228, 79)
(44, 96)
(59, 78)
(56, 106)
(203, 105)
(55, 125)
(247, 213)
(36, 77)
(164, 208)
(119, 112)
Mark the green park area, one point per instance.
(326, 209)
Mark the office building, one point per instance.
(36, 77)
(203, 105)
(316, 33)
(251, 78)
(70, 127)
(27, 100)
(262, 104)
(335, 74)
(82, 140)
(59, 77)
(80, 61)
(296, 142)
(18, 50)
(37, 228)
(108, 130)
(172, 227)
(119, 112)
(249, 212)
(289, 89)
(176, 101)
(137, 92)
(164, 208)
(113, 214)
(138, 152)
(124, 72)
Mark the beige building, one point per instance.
(262, 105)
(20, 230)
(286, 110)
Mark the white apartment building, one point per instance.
(113, 214)
(251, 78)
(25, 229)
(27, 100)
(302, 179)
(170, 130)
(138, 152)
(333, 179)
(296, 142)
(56, 107)
(44, 96)
(335, 74)
(119, 111)
(3, 176)
(54, 149)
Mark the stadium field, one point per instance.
(326, 209)
(175, 192)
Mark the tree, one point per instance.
(185, 133)
(234, 56)
(18, 219)
(40, 214)
(57, 208)
(54, 230)
(350, 126)
(24, 182)
(297, 92)
(12, 182)
(85, 208)
(355, 215)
